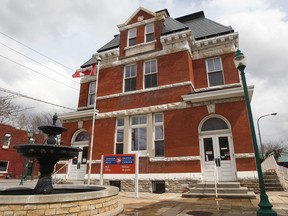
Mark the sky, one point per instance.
(69, 32)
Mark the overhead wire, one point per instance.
(39, 100)
(35, 51)
(37, 72)
(38, 62)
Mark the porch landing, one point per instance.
(231, 190)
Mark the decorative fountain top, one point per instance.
(48, 155)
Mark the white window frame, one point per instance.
(117, 128)
(6, 166)
(91, 93)
(155, 124)
(6, 141)
(130, 77)
(132, 34)
(141, 152)
(150, 73)
(148, 33)
(214, 71)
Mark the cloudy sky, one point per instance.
(69, 32)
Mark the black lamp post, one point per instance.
(265, 207)
(260, 139)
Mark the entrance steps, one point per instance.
(231, 190)
(272, 182)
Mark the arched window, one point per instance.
(214, 124)
(82, 136)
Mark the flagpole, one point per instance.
(93, 121)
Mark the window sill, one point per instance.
(140, 48)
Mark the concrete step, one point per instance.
(249, 195)
(219, 185)
(241, 190)
(280, 188)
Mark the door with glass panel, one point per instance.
(217, 147)
(77, 166)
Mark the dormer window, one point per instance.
(132, 37)
(149, 32)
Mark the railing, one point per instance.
(54, 175)
(270, 164)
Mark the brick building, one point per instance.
(11, 163)
(169, 91)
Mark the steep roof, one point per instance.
(200, 26)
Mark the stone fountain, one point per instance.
(44, 199)
(47, 155)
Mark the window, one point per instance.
(149, 32)
(91, 95)
(119, 136)
(138, 126)
(6, 141)
(130, 78)
(215, 71)
(158, 134)
(3, 166)
(214, 124)
(150, 73)
(82, 136)
(132, 37)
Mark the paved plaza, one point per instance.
(172, 204)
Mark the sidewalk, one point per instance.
(171, 204)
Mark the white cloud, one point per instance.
(71, 31)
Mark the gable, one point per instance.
(139, 15)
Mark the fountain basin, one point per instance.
(47, 152)
(65, 200)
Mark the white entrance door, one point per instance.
(217, 147)
(78, 165)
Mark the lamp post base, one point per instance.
(265, 207)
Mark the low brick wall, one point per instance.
(104, 204)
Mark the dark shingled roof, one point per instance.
(200, 26)
(172, 25)
(114, 43)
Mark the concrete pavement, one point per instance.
(172, 204)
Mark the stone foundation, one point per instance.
(171, 185)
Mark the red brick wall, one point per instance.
(140, 13)
(231, 74)
(15, 160)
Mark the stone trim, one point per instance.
(146, 90)
(244, 155)
(167, 159)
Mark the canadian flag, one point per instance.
(90, 71)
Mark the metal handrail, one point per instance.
(54, 173)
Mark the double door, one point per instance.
(77, 170)
(217, 156)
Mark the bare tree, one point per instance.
(8, 109)
(277, 147)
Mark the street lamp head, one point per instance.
(239, 59)
(273, 113)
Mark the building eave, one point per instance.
(217, 94)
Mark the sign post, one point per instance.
(120, 164)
